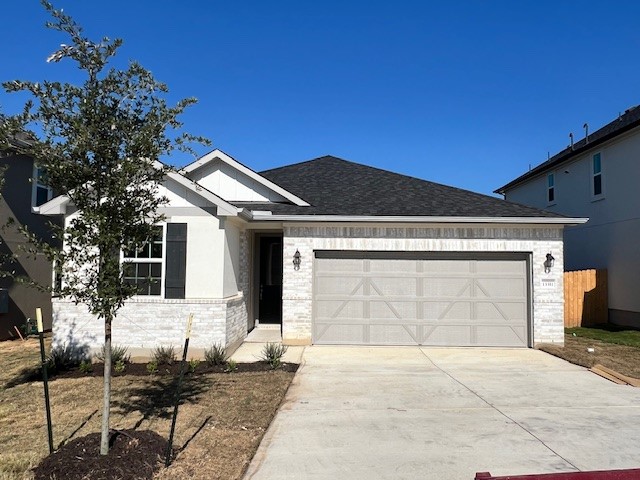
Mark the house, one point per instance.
(23, 192)
(597, 177)
(334, 252)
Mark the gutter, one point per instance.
(401, 219)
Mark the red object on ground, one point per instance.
(599, 475)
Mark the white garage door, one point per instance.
(377, 298)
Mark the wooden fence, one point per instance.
(585, 298)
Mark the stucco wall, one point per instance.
(608, 240)
(548, 303)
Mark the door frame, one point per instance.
(254, 290)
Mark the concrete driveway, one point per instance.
(409, 412)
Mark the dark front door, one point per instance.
(270, 289)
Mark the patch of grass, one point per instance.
(119, 353)
(217, 433)
(272, 353)
(621, 358)
(608, 333)
(216, 355)
(164, 355)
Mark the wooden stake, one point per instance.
(18, 332)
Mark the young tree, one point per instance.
(99, 143)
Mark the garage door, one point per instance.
(378, 298)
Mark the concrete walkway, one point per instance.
(409, 412)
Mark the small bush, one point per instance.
(193, 364)
(216, 355)
(152, 367)
(64, 357)
(272, 354)
(86, 366)
(164, 355)
(120, 366)
(231, 367)
(118, 353)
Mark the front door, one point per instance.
(270, 287)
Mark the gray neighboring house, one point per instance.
(22, 194)
(333, 252)
(598, 178)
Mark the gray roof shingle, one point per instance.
(334, 186)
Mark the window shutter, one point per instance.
(176, 260)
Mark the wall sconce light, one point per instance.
(296, 260)
(549, 262)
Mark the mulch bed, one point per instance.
(140, 369)
(132, 455)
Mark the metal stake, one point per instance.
(45, 378)
(178, 391)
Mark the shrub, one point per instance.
(152, 367)
(193, 364)
(65, 357)
(272, 354)
(216, 355)
(118, 354)
(164, 355)
(86, 366)
(120, 366)
(231, 367)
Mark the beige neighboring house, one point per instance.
(334, 252)
(598, 177)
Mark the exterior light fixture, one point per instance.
(296, 260)
(549, 262)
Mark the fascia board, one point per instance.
(399, 219)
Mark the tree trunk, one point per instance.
(106, 399)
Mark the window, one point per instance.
(143, 266)
(596, 185)
(41, 193)
(551, 189)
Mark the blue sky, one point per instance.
(465, 93)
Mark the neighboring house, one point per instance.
(335, 253)
(24, 190)
(596, 178)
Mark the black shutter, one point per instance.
(176, 260)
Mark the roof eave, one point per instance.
(544, 167)
(420, 219)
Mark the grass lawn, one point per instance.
(609, 334)
(219, 427)
(614, 347)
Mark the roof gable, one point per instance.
(228, 178)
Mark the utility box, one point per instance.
(4, 300)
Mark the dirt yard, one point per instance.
(219, 427)
(622, 358)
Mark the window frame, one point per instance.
(162, 261)
(35, 184)
(551, 189)
(594, 174)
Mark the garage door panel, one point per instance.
(393, 335)
(386, 301)
(501, 287)
(496, 335)
(339, 309)
(446, 287)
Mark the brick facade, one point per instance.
(547, 288)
